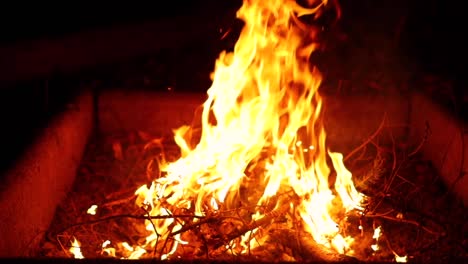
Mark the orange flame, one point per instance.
(75, 249)
(260, 128)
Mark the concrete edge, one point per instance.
(42, 177)
(149, 111)
(350, 120)
(445, 142)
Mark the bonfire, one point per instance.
(254, 178)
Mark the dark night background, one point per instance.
(434, 31)
(428, 48)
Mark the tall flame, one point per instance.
(261, 128)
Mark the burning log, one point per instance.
(307, 250)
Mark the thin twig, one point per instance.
(195, 225)
(161, 253)
(427, 132)
(217, 217)
(408, 221)
(62, 246)
(164, 245)
(383, 214)
(394, 165)
(154, 228)
(148, 217)
(390, 246)
(406, 180)
(119, 201)
(266, 219)
(369, 139)
(250, 233)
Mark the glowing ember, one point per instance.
(261, 131)
(109, 251)
(401, 259)
(75, 249)
(92, 210)
(376, 236)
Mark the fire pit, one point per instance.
(115, 165)
(262, 168)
